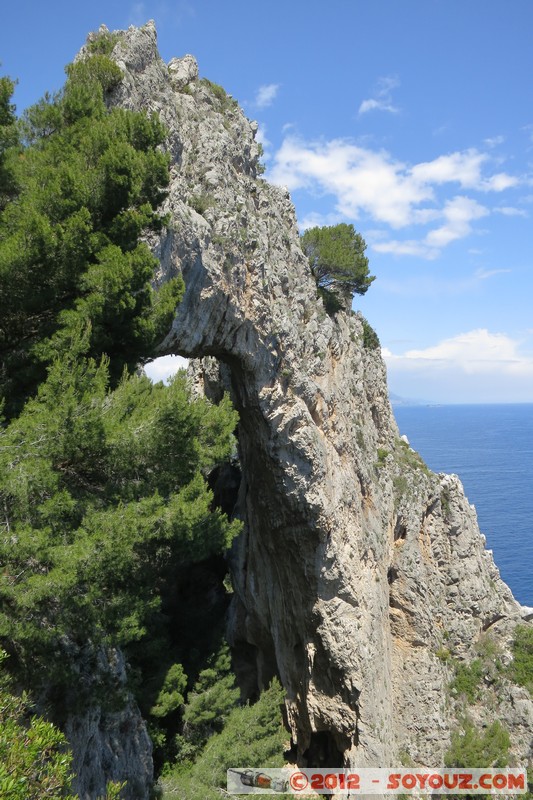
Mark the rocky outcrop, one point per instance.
(108, 738)
(358, 568)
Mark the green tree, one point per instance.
(253, 736)
(103, 500)
(468, 679)
(338, 263)
(209, 703)
(34, 760)
(8, 140)
(104, 493)
(103, 476)
(89, 180)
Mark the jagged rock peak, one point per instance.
(183, 71)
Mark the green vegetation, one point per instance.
(407, 457)
(34, 759)
(260, 167)
(445, 500)
(252, 736)
(401, 486)
(487, 669)
(468, 679)
(382, 456)
(103, 43)
(8, 141)
(109, 534)
(370, 337)
(473, 748)
(201, 202)
(337, 261)
(225, 103)
(88, 183)
(103, 493)
(443, 654)
(521, 669)
(209, 704)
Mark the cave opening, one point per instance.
(323, 751)
(392, 575)
(400, 530)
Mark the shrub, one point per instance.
(472, 748)
(201, 202)
(370, 337)
(35, 761)
(102, 43)
(253, 736)
(382, 456)
(331, 301)
(467, 679)
(225, 102)
(521, 669)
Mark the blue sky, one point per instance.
(411, 119)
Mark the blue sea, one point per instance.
(490, 447)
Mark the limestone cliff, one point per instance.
(358, 567)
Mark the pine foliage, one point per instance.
(88, 182)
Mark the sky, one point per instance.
(411, 119)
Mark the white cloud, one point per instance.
(461, 167)
(161, 369)
(266, 95)
(458, 214)
(407, 247)
(464, 168)
(511, 211)
(377, 105)
(498, 183)
(476, 352)
(494, 141)
(483, 274)
(371, 182)
(382, 101)
(362, 179)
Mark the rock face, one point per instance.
(110, 745)
(358, 568)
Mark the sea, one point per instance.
(490, 448)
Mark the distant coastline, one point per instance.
(398, 401)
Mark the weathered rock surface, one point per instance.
(358, 567)
(108, 744)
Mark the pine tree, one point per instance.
(103, 476)
(337, 261)
(89, 182)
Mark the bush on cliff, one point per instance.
(521, 669)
